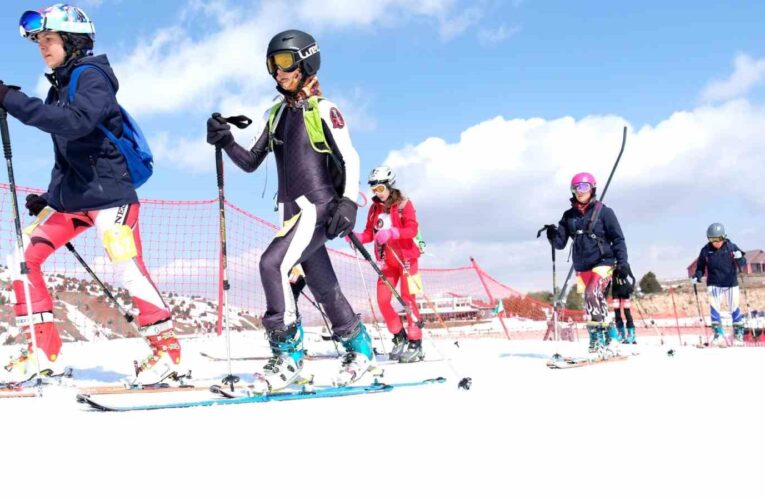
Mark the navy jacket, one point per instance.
(89, 172)
(720, 265)
(604, 246)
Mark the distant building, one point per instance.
(755, 263)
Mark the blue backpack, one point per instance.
(132, 144)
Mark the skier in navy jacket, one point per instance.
(596, 252)
(90, 186)
(721, 260)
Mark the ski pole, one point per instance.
(555, 281)
(465, 382)
(701, 316)
(603, 195)
(23, 269)
(240, 122)
(125, 314)
(643, 314)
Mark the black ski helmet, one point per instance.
(304, 47)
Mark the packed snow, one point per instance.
(680, 426)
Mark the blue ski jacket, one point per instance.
(89, 172)
(604, 245)
(721, 266)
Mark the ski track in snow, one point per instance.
(686, 426)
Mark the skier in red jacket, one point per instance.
(392, 225)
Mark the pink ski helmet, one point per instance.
(583, 178)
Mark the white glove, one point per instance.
(737, 254)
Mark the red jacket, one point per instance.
(404, 218)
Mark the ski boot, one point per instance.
(24, 365)
(719, 337)
(164, 361)
(612, 343)
(738, 335)
(286, 362)
(595, 343)
(413, 352)
(630, 338)
(624, 338)
(358, 358)
(399, 345)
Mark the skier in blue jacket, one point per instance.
(90, 186)
(598, 247)
(721, 260)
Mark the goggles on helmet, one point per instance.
(715, 239)
(581, 187)
(68, 20)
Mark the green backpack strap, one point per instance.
(273, 120)
(312, 118)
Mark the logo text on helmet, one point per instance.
(308, 51)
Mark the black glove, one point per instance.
(35, 204)
(219, 132)
(3, 90)
(623, 270)
(552, 232)
(343, 219)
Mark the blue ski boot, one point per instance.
(286, 361)
(738, 335)
(358, 358)
(622, 334)
(596, 343)
(719, 338)
(631, 335)
(613, 341)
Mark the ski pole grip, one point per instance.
(360, 247)
(5, 133)
(219, 165)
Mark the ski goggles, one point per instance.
(715, 239)
(286, 61)
(31, 23)
(581, 187)
(379, 188)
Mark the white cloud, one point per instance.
(178, 70)
(492, 36)
(491, 191)
(747, 73)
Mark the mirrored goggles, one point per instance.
(581, 187)
(31, 23)
(715, 239)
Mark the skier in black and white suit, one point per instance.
(318, 177)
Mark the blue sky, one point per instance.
(486, 108)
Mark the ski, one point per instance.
(102, 404)
(559, 362)
(265, 358)
(30, 387)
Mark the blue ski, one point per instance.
(325, 392)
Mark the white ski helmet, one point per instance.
(382, 175)
(61, 17)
